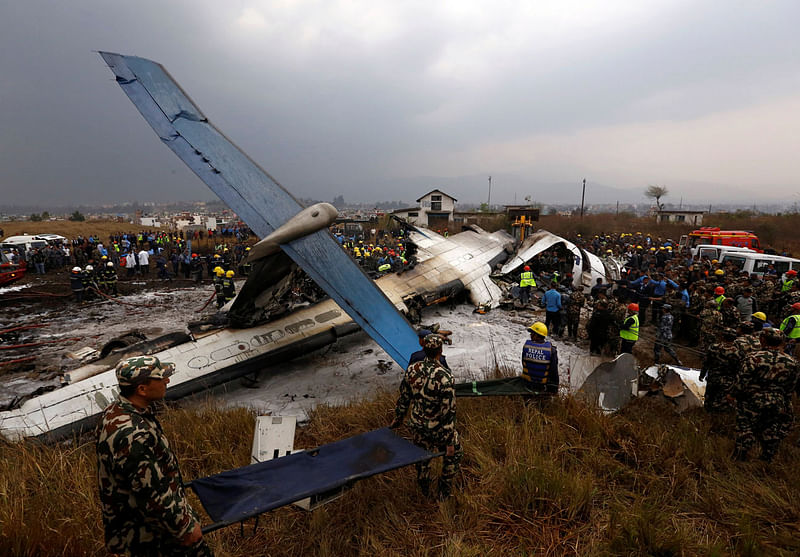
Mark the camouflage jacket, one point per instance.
(427, 390)
(730, 316)
(721, 362)
(711, 321)
(141, 490)
(576, 301)
(766, 378)
(746, 345)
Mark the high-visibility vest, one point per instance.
(536, 361)
(526, 279)
(795, 332)
(385, 267)
(719, 299)
(633, 332)
(787, 285)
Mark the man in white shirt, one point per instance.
(144, 262)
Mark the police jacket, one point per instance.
(540, 363)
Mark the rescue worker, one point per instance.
(228, 286)
(526, 281)
(597, 329)
(791, 328)
(719, 292)
(552, 304)
(196, 268)
(540, 361)
(246, 267)
(763, 393)
(664, 336)
(76, 283)
(89, 282)
(426, 391)
(719, 369)
(419, 355)
(759, 321)
(629, 331)
(219, 275)
(787, 284)
(109, 277)
(145, 509)
(710, 324)
(576, 301)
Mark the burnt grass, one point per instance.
(547, 479)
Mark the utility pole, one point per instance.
(489, 201)
(617, 207)
(583, 196)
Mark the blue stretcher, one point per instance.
(242, 493)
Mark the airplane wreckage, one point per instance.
(259, 327)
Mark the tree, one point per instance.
(45, 215)
(35, 217)
(656, 192)
(77, 217)
(338, 202)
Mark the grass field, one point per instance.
(560, 480)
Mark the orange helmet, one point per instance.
(719, 290)
(526, 268)
(796, 306)
(791, 273)
(633, 307)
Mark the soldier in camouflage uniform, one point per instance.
(746, 342)
(618, 313)
(763, 393)
(576, 301)
(720, 365)
(145, 510)
(710, 324)
(427, 391)
(730, 313)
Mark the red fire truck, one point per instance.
(715, 236)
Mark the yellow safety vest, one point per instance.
(526, 279)
(633, 332)
(795, 332)
(719, 299)
(787, 285)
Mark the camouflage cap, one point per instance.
(132, 371)
(772, 336)
(432, 341)
(728, 333)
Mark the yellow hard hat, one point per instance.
(539, 328)
(638, 247)
(219, 271)
(719, 272)
(229, 274)
(714, 261)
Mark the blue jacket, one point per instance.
(552, 300)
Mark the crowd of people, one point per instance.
(742, 327)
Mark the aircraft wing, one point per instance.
(258, 199)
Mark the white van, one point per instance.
(759, 263)
(715, 252)
(25, 242)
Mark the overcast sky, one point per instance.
(377, 100)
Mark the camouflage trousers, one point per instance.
(716, 389)
(767, 424)
(450, 464)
